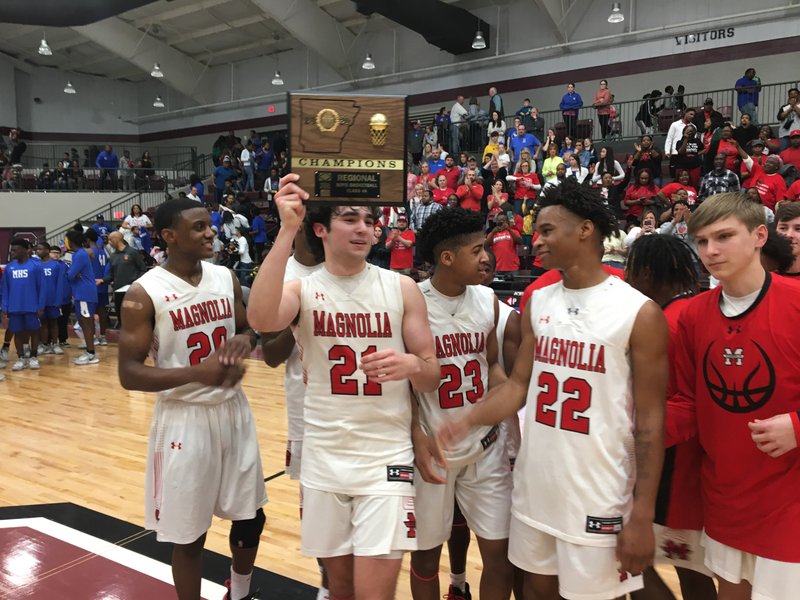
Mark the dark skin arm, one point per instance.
(221, 368)
(277, 346)
(512, 337)
(650, 367)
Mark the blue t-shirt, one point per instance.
(221, 174)
(53, 271)
(23, 287)
(747, 97)
(529, 141)
(436, 164)
(258, 230)
(81, 277)
(101, 228)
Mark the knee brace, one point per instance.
(246, 534)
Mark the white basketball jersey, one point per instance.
(357, 438)
(509, 428)
(294, 385)
(576, 469)
(190, 324)
(460, 327)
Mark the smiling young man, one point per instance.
(737, 361)
(463, 315)
(787, 219)
(203, 457)
(593, 365)
(365, 337)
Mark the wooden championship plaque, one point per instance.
(349, 149)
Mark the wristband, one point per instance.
(796, 424)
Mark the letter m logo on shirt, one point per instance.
(733, 356)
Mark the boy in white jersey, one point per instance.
(463, 316)
(280, 347)
(364, 336)
(593, 362)
(203, 457)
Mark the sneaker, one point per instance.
(64, 344)
(57, 349)
(254, 596)
(33, 363)
(102, 341)
(86, 359)
(4, 354)
(82, 345)
(41, 349)
(19, 365)
(456, 594)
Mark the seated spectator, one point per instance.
(708, 114)
(588, 146)
(666, 193)
(491, 172)
(60, 177)
(450, 171)
(584, 156)
(793, 193)
(574, 169)
(772, 144)
(527, 185)
(647, 157)
(550, 139)
(678, 223)
(470, 192)
(436, 162)
(503, 241)
(690, 155)
(442, 191)
(791, 155)
(551, 164)
(753, 194)
(497, 197)
(648, 227)
(45, 179)
(493, 146)
(567, 148)
(610, 192)
(400, 243)
(561, 175)
(641, 193)
(606, 163)
(524, 140)
(504, 160)
(788, 224)
(718, 180)
(431, 138)
(614, 250)
(767, 179)
(727, 146)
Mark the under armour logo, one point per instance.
(171, 297)
(176, 446)
(734, 329)
(319, 296)
(572, 311)
(544, 319)
(675, 550)
(731, 356)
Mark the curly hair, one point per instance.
(664, 260)
(582, 201)
(447, 229)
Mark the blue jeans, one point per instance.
(752, 110)
(249, 178)
(455, 132)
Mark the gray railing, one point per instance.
(29, 179)
(38, 153)
(115, 211)
(772, 97)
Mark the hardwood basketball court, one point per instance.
(72, 434)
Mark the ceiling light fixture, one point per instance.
(157, 72)
(368, 63)
(69, 88)
(44, 49)
(616, 15)
(277, 79)
(158, 102)
(478, 42)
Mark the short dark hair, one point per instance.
(91, 235)
(778, 248)
(583, 202)
(323, 215)
(168, 212)
(18, 241)
(447, 229)
(45, 245)
(75, 238)
(787, 211)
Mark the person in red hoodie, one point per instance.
(737, 362)
(662, 268)
(470, 192)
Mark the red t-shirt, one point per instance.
(505, 250)
(554, 276)
(521, 191)
(429, 181)
(470, 197)
(791, 156)
(731, 152)
(730, 372)
(679, 503)
(452, 176)
(673, 187)
(771, 188)
(402, 257)
(793, 193)
(441, 196)
(636, 192)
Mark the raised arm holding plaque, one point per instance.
(351, 148)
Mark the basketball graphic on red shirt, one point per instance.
(739, 375)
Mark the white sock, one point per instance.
(458, 580)
(322, 594)
(240, 585)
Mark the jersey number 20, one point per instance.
(578, 401)
(201, 345)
